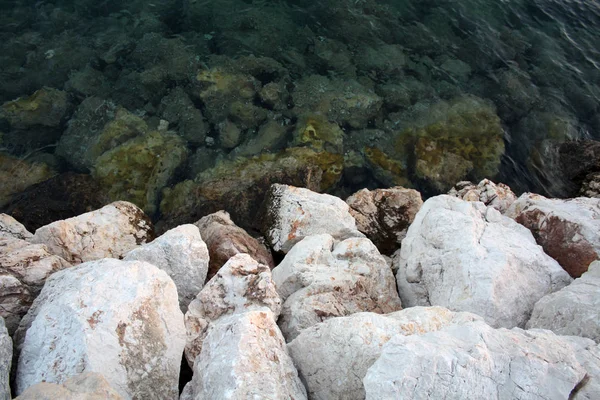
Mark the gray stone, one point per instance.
(85, 386)
(6, 355)
(10, 227)
(498, 196)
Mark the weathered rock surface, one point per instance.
(475, 361)
(384, 215)
(110, 231)
(319, 280)
(85, 386)
(225, 239)
(573, 310)
(294, 213)
(183, 255)
(24, 268)
(6, 353)
(591, 185)
(588, 355)
(468, 257)
(498, 196)
(17, 175)
(10, 227)
(578, 160)
(333, 357)
(117, 318)
(241, 285)
(244, 357)
(568, 230)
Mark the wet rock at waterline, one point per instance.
(468, 257)
(225, 239)
(117, 318)
(110, 231)
(183, 255)
(568, 230)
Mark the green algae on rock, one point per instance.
(17, 175)
(314, 131)
(138, 169)
(46, 107)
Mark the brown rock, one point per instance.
(225, 239)
(384, 215)
(87, 386)
(498, 196)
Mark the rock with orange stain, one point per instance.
(293, 213)
(568, 230)
(319, 280)
(244, 356)
(333, 357)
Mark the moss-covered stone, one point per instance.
(17, 175)
(314, 131)
(46, 107)
(138, 169)
(387, 170)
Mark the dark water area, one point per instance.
(185, 107)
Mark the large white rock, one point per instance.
(475, 361)
(117, 318)
(498, 196)
(183, 255)
(241, 285)
(588, 354)
(110, 231)
(320, 280)
(10, 227)
(468, 257)
(24, 268)
(333, 357)
(6, 355)
(568, 230)
(573, 310)
(293, 213)
(86, 386)
(244, 357)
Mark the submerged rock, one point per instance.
(333, 357)
(110, 231)
(225, 239)
(568, 230)
(47, 107)
(468, 257)
(293, 213)
(384, 215)
(117, 318)
(17, 175)
(573, 310)
(318, 280)
(88, 386)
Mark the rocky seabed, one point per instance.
(477, 294)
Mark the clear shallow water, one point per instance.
(419, 93)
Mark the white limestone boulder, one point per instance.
(183, 255)
(10, 227)
(319, 280)
(475, 361)
(86, 386)
(24, 268)
(244, 357)
(6, 358)
(110, 231)
(573, 310)
(384, 215)
(293, 213)
(241, 285)
(333, 357)
(498, 196)
(468, 257)
(568, 230)
(587, 353)
(118, 318)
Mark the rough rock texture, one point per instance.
(118, 318)
(24, 268)
(573, 310)
(6, 355)
(244, 357)
(318, 280)
(183, 255)
(293, 213)
(225, 239)
(17, 175)
(333, 357)
(568, 230)
(475, 361)
(86, 386)
(591, 185)
(384, 215)
(579, 159)
(241, 285)
(588, 355)
(110, 231)
(498, 196)
(10, 227)
(468, 257)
